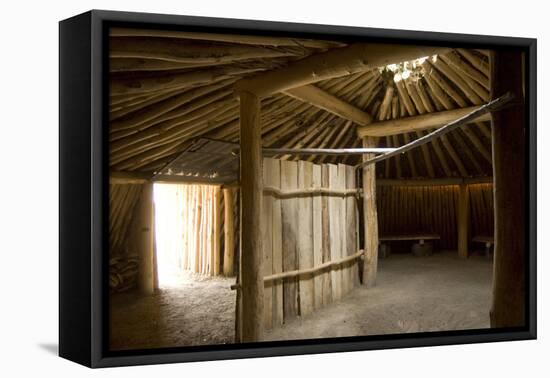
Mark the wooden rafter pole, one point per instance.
(325, 151)
(334, 63)
(509, 130)
(226, 38)
(417, 123)
(435, 182)
(332, 104)
(252, 319)
(491, 106)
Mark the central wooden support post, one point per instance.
(462, 220)
(229, 233)
(252, 283)
(146, 243)
(370, 264)
(509, 162)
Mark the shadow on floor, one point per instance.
(51, 348)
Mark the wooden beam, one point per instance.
(117, 177)
(435, 182)
(325, 151)
(229, 233)
(463, 220)
(252, 320)
(370, 216)
(417, 123)
(336, 62)
(509, 171)
(329, 265)
(226, 38)
(324, 100)
(440, 133)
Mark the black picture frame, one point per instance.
(83, 181)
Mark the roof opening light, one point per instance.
(411, 70)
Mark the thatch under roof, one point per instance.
(169, 88)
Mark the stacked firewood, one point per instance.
(123, 271)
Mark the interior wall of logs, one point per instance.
(124, 231)
(309, 221)
(433, 209)
(188, 222)
(124, 256)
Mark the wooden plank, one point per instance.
(317, 237)
(326, 276)
(483, 239)
(335, 233)
(289, 180)
(251, 208)
(345, 271)
(267, 242)
(277, 245)
(408, 236)
(351, 227)
(305, 238)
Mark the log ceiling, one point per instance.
(170, 87)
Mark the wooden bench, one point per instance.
(489, 241)
(419, 248)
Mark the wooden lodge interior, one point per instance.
(240, 166)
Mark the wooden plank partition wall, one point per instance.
(409, 209)
(306, 230)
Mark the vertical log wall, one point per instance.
(190, 226)
(124, 259)
(411, 209)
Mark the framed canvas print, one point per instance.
(233, 188)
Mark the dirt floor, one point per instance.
(191, 310)
(413, 294)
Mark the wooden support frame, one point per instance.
(228, 232)
(463, 220)
(146, 276)
(417, 123)
(509, 171)
(370, 220)
(491, 106)
(435, 182)
(332, 104)
(325, 151)
(337, 62)
(308, 271)
(310, 191)
(252, 319)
